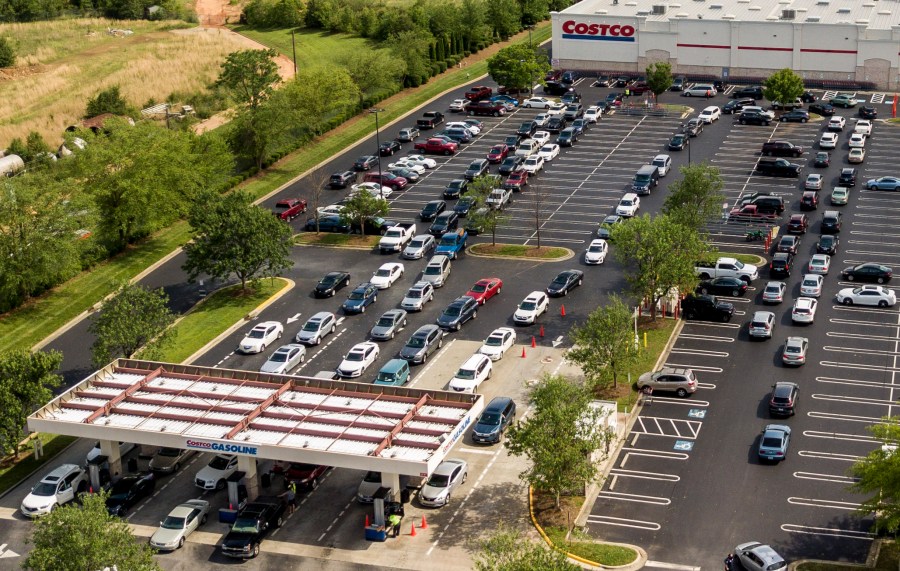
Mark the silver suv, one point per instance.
(316, 328)
(681, 381)
(762, 325)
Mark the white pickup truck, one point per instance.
(727, 268)
(396, 237)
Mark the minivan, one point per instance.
(831, 222)
(494, 420)
(699, 90)
(437, 271)
(646, 178)
(394, 373)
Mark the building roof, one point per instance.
(872, 14)
(279, 417)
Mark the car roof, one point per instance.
(675, 371)
(474, 360)
(321, 316)
(425, 330)
(763, 315)
(534, 296)
(804, 302)
(446, 467)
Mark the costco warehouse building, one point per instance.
(828, 42)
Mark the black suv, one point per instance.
(822, 108)
(831, 222)
(556, 88)
(458, 312)
(784, 399)
(735, 105)
(781, 149)
(827, 244)
(456, 187)
(477, 168)
(868, 112)
(341, 179)
(754, 118)
(706, 307)
(755, 93)
(527, 129)
(781, 265)
(848, 177)
(511, 164)
(796, 116)
(445, 222)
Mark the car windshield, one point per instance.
(257, 334)
(771, 442)
(120, 489)
(172, 452)
(452, 311)
(328, 280)
(595, 249)
(245, 525)
(372, 477)
(383, 273)
(433, 270)
(173, 523)
(465, 374)
(356, 295)
(219, 463)
(490, 419)
(385, 322)
(355, 356)
(416, 342)
(44, 489)
(438, 481)
(412, 294)
(494, 341)
(528, 305)
(279, 357)
(311, 326)
(479, 288)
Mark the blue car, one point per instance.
(458, 312)
(505, 99)
(773, 443)
(361, 297)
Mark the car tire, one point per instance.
(314, 484)
(681, 393)
(440, 343)
(204, 518)
(882, 303)
(255, 550)
(726, 318)
(176, 467)
(474, 314)
(220, 485)
(880, 280)
(735, 293)
(392, 334)
(317, 341)
(704, 291)
(465, 477)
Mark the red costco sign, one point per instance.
(573, 30)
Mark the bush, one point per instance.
(7, 53)
(442, 67)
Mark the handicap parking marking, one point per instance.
(653, 500)
(832, 478)
(622, 522)
(686, 445)
(697, 413)
(827, 531)
(816, 503)
(841, 436)
(852, 458)
(669, 427)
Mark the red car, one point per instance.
(306, 476)
(485, 289)
(497, 153)
(516, 181)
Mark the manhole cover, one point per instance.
(547, 360)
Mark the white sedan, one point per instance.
(538, 102)
(857, 141)
(596, 252)
(179, 524)
(372, 188)
(385, 276)
(863, 126)
(813, 182)
(358, 359)
(541, 119)
(426, 162)
(335, 209)
(710, 114)
(549, 151)
(498, 342)
(473, 129)
(867, 295)
(593, 114)
(533, 164)
(812, 285)
(407, 164)
(459, 105)
(828, 141)
(804, 310)
(261, 336)
(556, 109)
(541, 138)
(819, 264)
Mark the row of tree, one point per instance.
(35, 10)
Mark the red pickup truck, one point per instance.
(437, 147)
(750, 211)
(478, 92)
(290, 208)
(487, 108)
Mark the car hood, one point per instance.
(269, 367)
(443, 320)
(412, 301)
(523, 314)
(210, 474)
(354, 302)
(379, 281)
(164, 536)
(323, 288)
(351, 365)
(163, 462)
(593, 255)
(382, 330)
(114, 505)
(490, 350)
(409, 352)
(486, 428)
(238, 539)
(463, 385)
(367, 489)
(432, 493)
(251, 343)
(724, 305)
(411, 250)
(34, 502)
(302, 334)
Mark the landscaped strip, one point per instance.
(520, 251)
(337, 240)
(28, 325)
(655, 338)
(13, 472)
(214, 315)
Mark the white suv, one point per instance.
(628, 205)
(55, 489)
(471, 374)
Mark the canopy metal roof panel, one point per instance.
(303, 419)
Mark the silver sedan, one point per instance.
(284, 359)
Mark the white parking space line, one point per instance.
(685, 402)
(712, 324)
(695, 367)
(469, 450)
(700, 352)
(812, 502)
(833, 478)
(857, 382)
(829, 456)
(427, 367)
(846, 417)
(859, 351)
(628, 452)
(622, 522)
(863, 323)
(827, 531)
(849, 399)
(622, 473)
(656, 501)
(841, 436)
(858, 366)
(675, 566)
(707, 338)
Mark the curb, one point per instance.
(289, 285)
(638, 563)
(569, 255)
(338, 246)
(871, 559)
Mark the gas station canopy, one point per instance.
(291, 418)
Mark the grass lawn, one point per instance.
(28, 325)
(332, 239)
(556, 521)
(888, 560)
(657, 334)
(751, 259)
(314, 47)
(519, 251)
(12, 472)
(216, 314)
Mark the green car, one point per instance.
(842, 100)
(840, 195)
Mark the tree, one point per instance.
(134, 319)
(605, 343)
(318, 182)
(878, 474)
(783, 85)
(659, 77)
(411, 47)
(538, 202)
(27, 381)
(658, 255)
(697, 197)
(255, 132)
(86, 537)
(234, 236)
(509, 550)
(319, 101)
(363, 206)
(504, 17)
(250, 75)
(518, 66)
(7, 53)
(374, 71)
(487, 218)
(559, 437)
(109, 100)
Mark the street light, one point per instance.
(376, 111)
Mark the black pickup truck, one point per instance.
(253, 523)
(430, 120)
(706, 307)
(778, 167)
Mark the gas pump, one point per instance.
(237, 497)
(98, 471)
(383, 506)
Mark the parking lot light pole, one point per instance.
(376, 111)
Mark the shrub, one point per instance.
(7, 53)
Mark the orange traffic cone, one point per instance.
(533, 344)
(367, 520)
(542, 330)
(523, 352)
(563, 311)
(412, 532)
(424, 523)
